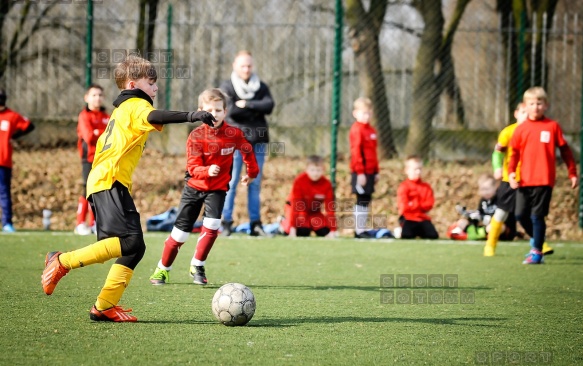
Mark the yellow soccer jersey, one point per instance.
(120, 147)
(504, 142)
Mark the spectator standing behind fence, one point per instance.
(249, 102)
(91, 124)
(364, 163)
(311, 192)
(12, 126)
(415, 199)
(533, 147)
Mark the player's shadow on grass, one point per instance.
(465, 321)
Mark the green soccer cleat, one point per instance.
(160, 277)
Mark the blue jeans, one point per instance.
(254, 189)
(5, 198)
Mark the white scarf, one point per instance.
(245, 90)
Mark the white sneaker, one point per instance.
(82, 229)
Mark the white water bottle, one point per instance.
(47, 219)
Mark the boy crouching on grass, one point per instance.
(209, 154)
(109, 186)
(311, 192)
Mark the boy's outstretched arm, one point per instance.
(498, 161)
(162, 117)
(567, 156)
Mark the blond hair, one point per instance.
(536, 92)
(243, 53)
(133, 68)
(212, 95)
(415, 158)
(486, 178)
(362, 103)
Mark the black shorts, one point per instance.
(368, 188)
(506, 197)
(115, 212)
(191, 204)
(533, 201)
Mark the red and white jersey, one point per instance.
(534, 144)
(10, 123)
(415, 199)
(90, 126)
(308, 197)
(208, 146)
(363, 149)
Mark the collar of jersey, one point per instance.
(131, 93)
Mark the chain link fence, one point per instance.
(43, 63)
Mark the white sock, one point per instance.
(161, 266)
(360, 217)
(196, 262)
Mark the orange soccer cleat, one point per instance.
(53, 272)
(114, 314)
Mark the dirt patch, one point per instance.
(50, 179)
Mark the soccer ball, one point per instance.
(233, 304)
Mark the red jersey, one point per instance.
(533, 145)
(90, 126)
(415, 199)
(10, 123)
(363, 149)
(207, 146)
(308, 198)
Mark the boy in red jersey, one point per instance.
(311, 192)
(364, 163)
(209, 152)
(533, 147)
(92, 122)
(109, 187)
(414, 200)
(12, 126)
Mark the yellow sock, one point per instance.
(495, 230)
(99, 252)
(117, 280)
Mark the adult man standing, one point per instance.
(249, 102)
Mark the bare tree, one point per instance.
(146, 26)
(21, 36)
(516, 15)
(433, 74)
(365, 27)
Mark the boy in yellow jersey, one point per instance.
(505, 195)
(109, 186)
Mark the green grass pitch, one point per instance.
(319, 302)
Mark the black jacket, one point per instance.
(251, 119)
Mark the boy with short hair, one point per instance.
(533, 147)
(415, 199)
(311, 192)
(12, 126)
(90, 125)
(109, 186)
(364, 163)
(209, 154)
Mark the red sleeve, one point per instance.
(85, 129)
(194, 162)
(21, 123)
(567, 156)
(356, 150)
(515, 144)
(248, 156)
(428, 201)
(330, 206)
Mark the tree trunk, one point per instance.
(146, 27)
(364, 37)
(425, 90)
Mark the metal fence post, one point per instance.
(89, 43)
(169, 74)
(336, 90)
